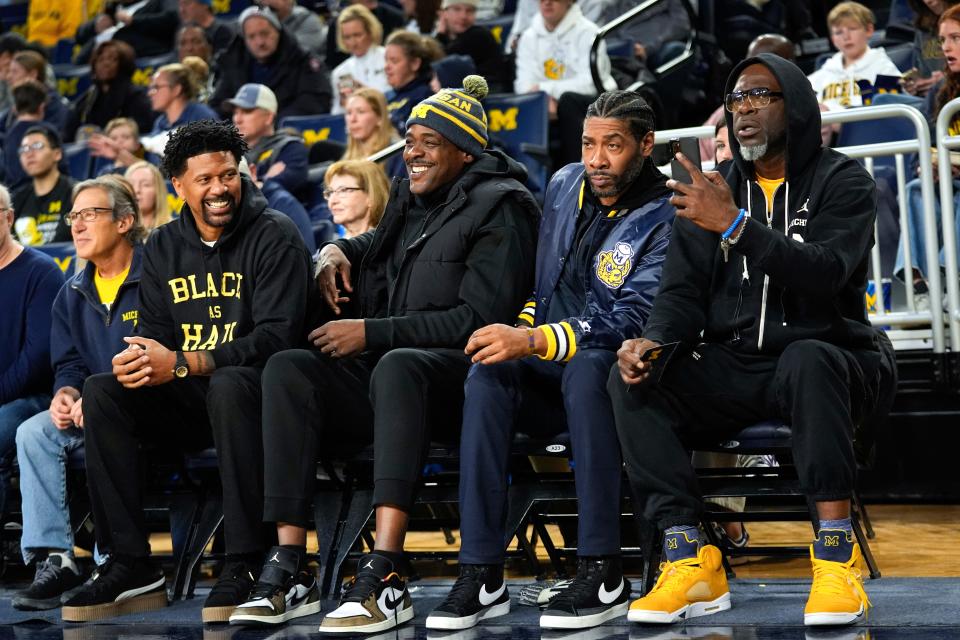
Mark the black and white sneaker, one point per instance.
(122, 585)
(282, 592)
(479, 593)
(598, 593)
(55, 576)
(375, 600)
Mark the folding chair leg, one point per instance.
(865, 549)
(529, 550)
(211, 518)
(861, 510)
(355, 519)
(549, 547)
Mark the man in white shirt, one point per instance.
(851, 26)
(554, 57)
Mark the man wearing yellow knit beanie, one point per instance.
(453, 252)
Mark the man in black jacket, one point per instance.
(222, 289)
(763, 286)
(266, 54)
(453, 252)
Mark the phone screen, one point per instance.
(689, 147)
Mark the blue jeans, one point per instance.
(42, 450)
(11, 415)
(918, 244)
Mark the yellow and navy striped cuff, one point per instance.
(561, 342)
(527, 313)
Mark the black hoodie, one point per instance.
(471, 263)
(804, 276)
(243, 299)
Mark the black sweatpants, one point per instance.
(182, 415)
(820, 390)
(315, 406)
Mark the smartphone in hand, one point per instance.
(657, 358)
(689, 147)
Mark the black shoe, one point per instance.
(55, 576)
(479, 593)
(598, 593)
(231, 590)
(375, 600)
(122, 585)
(281, 593)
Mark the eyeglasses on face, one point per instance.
(156, 86)
(87, 215)
(24, 149)
(758, 98)
(339, 191)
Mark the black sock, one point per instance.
(614, 564)
(300, 550)
(396, 557)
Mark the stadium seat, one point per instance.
(64, 253)
(902, 56)
(499, 27)
(319, 127)
(881, 130)
(78, 160)
(63, 51)
(451, 70)
(518, 124)
(146, 67)
(72, 79)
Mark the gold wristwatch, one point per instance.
(180, 368)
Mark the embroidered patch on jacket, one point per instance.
(614, 266)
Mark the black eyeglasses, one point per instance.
(339, 191)
(758, 98)
(88, 215)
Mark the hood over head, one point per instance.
(800, 108)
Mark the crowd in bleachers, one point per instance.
(314, 90)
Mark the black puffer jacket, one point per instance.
(472, 266)
(298, 79)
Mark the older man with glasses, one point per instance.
(763, 288)
(40, 204)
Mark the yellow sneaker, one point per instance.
(836, 595)
(685, 589)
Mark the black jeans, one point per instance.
(314, 405)
(818, 389)
(182, 415)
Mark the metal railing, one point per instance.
(920, 146)
(945, 143)
(628, 17)
(386, 152)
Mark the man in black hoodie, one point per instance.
(453, 252)
(222, 289)
(264, 53)
(763, 286)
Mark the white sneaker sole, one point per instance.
(583, 622)
(444, 623)
(831, 619)
(686, 612)
(403, 616)
(252, 618)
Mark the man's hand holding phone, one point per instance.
(706, 201)
(633, 368)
